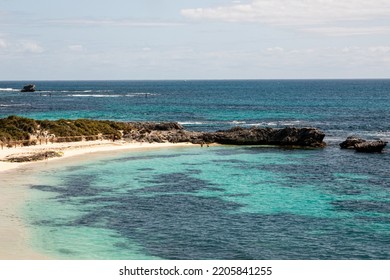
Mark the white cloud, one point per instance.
(277, 50)
(12, 47)
(29, 47)
(112, 22)
(380, 50)
(294, 12)
(348, 31)
(340, 57)
(3, 44)
(76, 48)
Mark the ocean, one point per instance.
(220, 202)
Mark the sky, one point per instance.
(194, 39)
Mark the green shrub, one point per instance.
(16, 128)
(19, 128)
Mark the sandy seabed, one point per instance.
(14, 235)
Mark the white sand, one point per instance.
(13, 233)
(76, 148)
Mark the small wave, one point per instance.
(9, 89)
(192, 123)
(244, 123)
(76, 91)
(134, 94)
(100, 90)
(281, 123)
(380, 135)
(290, 123)
(334, 139)
(340, 135)
(80, 94)
(16, 105)
(96, 95)
(263, 124)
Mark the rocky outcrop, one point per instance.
(28, 88)
(290, 136)
(362, 145)
(159, 126)
(371, 146)
(350, 142)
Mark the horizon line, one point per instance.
(192, 79)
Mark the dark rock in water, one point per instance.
(175, 133)
(371, 146)
(362, 145)
(289, 136)
(305, 137)
(28, 88)
(350, 142)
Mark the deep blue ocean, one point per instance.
(221, 202)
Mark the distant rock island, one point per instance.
(28, 88)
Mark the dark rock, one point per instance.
(350, 142)
(161, 126)
(370, 146)
(28, 88)
(292, 136)
(289, 136)
(362, 145)
(34, 156)
(172, 132)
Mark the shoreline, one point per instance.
(70, 149)
(14, 235)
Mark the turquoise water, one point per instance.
(214, 203)
(217, 202)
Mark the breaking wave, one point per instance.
(9, 89)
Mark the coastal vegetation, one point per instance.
(15, 128)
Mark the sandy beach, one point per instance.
(14, 237)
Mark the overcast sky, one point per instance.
(194, 39)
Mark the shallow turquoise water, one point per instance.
(215, 203)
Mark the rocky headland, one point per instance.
(175, 133)
(27, 132)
